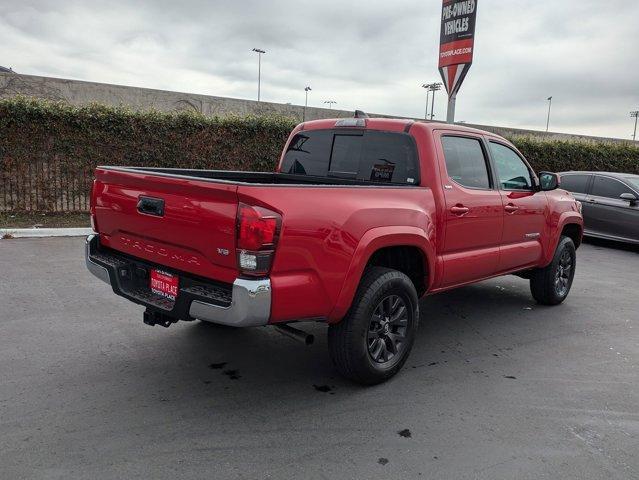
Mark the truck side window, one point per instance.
(512, 172)
(465, 162)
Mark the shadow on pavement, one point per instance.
(479, 320)
(601, 243)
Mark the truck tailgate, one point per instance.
(194, 233)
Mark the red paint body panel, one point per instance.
(199, 218)
(322, 227)
(329, 232)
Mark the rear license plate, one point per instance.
(165, 284)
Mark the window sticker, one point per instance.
(382, 172)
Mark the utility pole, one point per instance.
(259, 70)
(433, 88)
(635, 115)
(306, 89)
(330, 104)
(426, 86)
(549, 107)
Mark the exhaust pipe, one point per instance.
(296, 334)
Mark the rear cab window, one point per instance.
(363, 155)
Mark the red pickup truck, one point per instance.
(361, 219)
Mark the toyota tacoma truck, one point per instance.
(361, 219)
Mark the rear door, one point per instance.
(473, 218)
(524, 209)
(605, 213)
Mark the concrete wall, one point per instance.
(80, 93)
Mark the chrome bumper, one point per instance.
(250, 307)
(98, 270)
(250, 304)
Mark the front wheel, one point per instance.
(372, 343)
(551, 285)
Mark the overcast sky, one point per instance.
(367, 54)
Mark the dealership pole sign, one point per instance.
(456, 46)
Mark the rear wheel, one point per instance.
(373, 341)
(551, 285)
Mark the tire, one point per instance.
(361, 345)
(551, 285)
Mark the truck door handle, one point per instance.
(459, 210)
(510, 208)
(151, 206)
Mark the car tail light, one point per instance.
(257, 233)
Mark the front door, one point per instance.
(524, 210)
(473, 218)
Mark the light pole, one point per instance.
(433, 88)
(306, 89)
(635, 115)
(259, 70)
(549, 107)
(330, 104)
(427, 87)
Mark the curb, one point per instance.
(44, 232)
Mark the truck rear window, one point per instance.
(366, 155)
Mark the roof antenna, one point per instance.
(361, 114)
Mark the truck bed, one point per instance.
(248, 178)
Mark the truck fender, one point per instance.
(566, 218)
(373, 240)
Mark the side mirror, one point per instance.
(629, 197)
(548, 181)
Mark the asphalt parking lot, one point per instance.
(496, 386)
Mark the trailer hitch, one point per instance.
(153, 317)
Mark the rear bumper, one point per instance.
(245, 303)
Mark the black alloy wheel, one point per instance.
(387, 329)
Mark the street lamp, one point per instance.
(427, 87)
(434, 87)
(306, 89)
(330, 103)
(549, 106)
(259, 70)
(635, 115)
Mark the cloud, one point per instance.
(367, 54)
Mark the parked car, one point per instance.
(610, 203)
(361, 218)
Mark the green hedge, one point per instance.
(48, 150)
(562, 155)
(118, 136)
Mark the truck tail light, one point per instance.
(258, 230)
